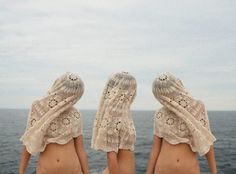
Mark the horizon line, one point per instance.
(131, 109)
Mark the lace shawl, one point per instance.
(53, 119)
(113, 127)
(182, 119)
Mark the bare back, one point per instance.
(59, 159)
(126, 162)
(178, 159)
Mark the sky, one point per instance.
(195, 40)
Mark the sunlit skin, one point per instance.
(121, 162)
(69, 158)
(166, 158)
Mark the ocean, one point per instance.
(12, 126)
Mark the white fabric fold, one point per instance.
(182, 119)
(113, 127)
(53, 119)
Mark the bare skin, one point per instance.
(121, 162)
(69, 158)
(166, 158)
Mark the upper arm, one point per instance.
(210, 153)
(156, 144)
(79, 144)
(25, 153)
(25, 156)
(210, 156)
(112, 155)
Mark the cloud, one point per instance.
(39, 40)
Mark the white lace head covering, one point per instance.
(115, 102)
(53, 119)
(182, 119)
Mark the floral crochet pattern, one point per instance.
(182, 119)
(53, 119)
(113, 126)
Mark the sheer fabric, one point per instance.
(53, 119)
(182, 119)
(113, 126)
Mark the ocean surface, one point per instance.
(223, 125)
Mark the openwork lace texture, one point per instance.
(113, 127)
(182, 119)
(53, 119)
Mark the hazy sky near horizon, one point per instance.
(195, 40)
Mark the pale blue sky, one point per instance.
(41, 39)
